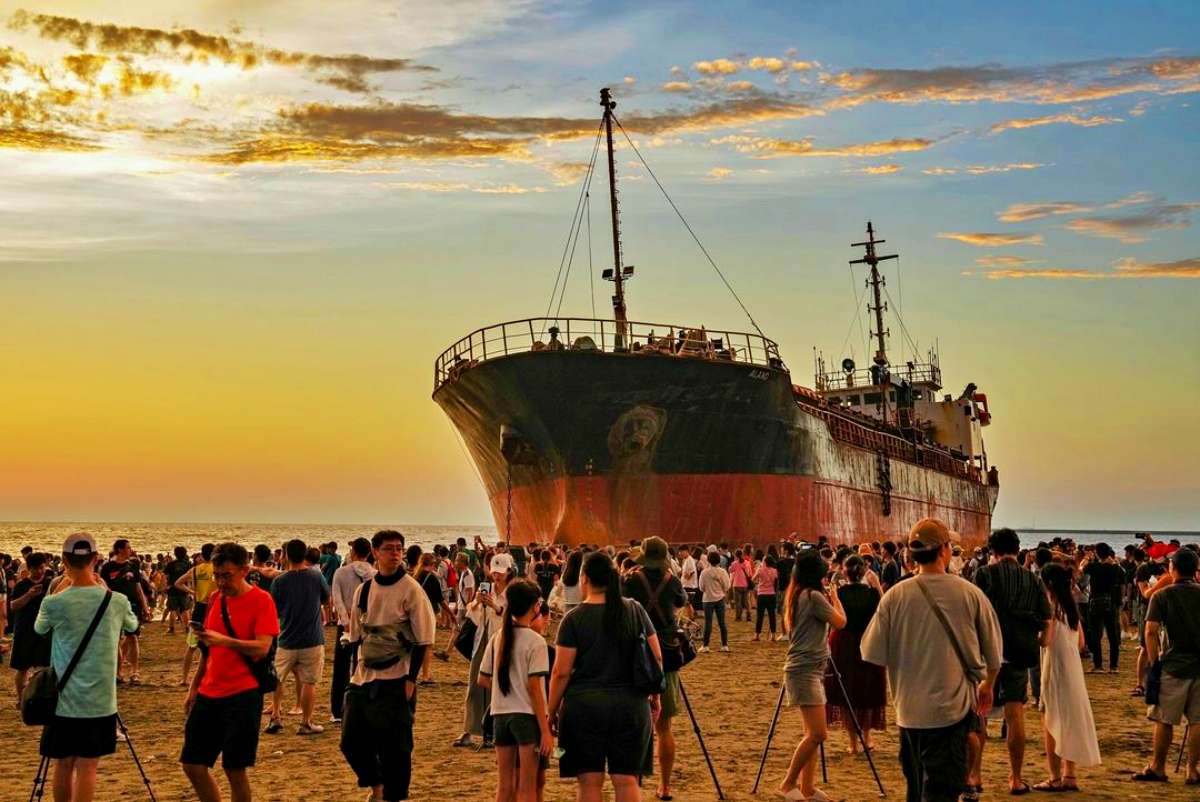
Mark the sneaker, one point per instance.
(724, 648)
(780, 637)
(487, 744)
(463, 740)
(310, 729)
(703, 649)
(335, 720)
(273, 727)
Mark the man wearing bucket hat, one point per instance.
(939, 638)
(661, 593)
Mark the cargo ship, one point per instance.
(606, 430)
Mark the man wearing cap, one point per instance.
(84, 726)
(939, 639)
(1023, 609)
(346, 580)
(1176, 609)
(661, 593)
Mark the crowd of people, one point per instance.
(960, 638)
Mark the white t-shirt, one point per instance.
(691, 573)
(530, 658)
(714, 582)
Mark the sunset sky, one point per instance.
(235, 235)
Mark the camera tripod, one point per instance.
(700, 737)
(39, 780)
(853, 719)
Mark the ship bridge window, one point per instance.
(871, 398)
(833, 399)
(852, 400)
(916, 394)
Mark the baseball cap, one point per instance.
(501, 563)
(930, 533)
(79, 543)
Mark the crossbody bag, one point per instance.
(945, 622)
(262, 670)
(39, 701)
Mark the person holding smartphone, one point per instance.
(487, 611)
(29, 649)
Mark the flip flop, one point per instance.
(1055, 786)
(664, 797)
(1149, 776)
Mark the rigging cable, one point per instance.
(850, 328)
(575, 218)
(591, 271)
(571, 259)
(679, 214)
(900, 306)
(903, 328)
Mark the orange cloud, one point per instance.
(1052, 119)
(766, 64)
(720, 66)
(1020, 212)
(1003, 261)
(765, 148)
(982, 239)
(985, 169)
(881, 169)
(31, 139)
(85, 66)
(677, 86)
(719, 173)
(346, 71)
(1133, 228)
(1128, 268)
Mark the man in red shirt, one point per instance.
(224, 703)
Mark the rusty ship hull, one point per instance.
(617, 446)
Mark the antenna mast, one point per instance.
(876, 281)
(619, 273)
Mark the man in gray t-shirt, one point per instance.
(934, 693)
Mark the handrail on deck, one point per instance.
(595, 334)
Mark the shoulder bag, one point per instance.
(263, 669)
(941, 617)
(677, 650)
(648, 677)
(39, 701)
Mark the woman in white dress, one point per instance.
(1066, 710)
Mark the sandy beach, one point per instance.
(733, 696)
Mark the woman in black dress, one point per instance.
(601, 721)
(866, 684)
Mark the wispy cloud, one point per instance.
(676, 86)
(1127, 268)
(1020, 212)
(1003, 261)
(767, 148)
(880, 169)
(1053, 119)
(983, 239)
(1133, 228)
(984, 169)
(718, 173)
(719, 66)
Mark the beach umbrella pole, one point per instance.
(700, 737)
(767, 746)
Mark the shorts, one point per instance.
(605, 730)
(1178, 699)
(695, 598)
(670, 696)
(29, 650)
(308, 663)
(225, 726)
(179, 602)
(1012, 685)
(79, 737)
(515, 729)
(805, 688)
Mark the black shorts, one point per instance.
(1012, 685)
(29, 650)
(79, 737)
(696, 598)
(515, 729)
(227, 726)
(199, 610)
(606, 731)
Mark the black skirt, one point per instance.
(606, 731)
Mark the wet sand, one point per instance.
(733, 696)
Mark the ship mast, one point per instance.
(876, 281)
(619, 274)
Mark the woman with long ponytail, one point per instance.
(601, 719)
(810, 609)
(517, 661)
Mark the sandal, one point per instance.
(1050, 785)
(969, 794)
(1149, 775)
(1192, 781)
(1020, 790)
(1070, 783)
(1137, 691)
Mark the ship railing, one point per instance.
(923, 372)
(594, 334)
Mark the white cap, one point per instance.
(79, 543)
(501, 564)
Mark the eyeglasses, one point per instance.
(393, 549)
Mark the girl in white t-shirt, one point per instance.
(515, 665)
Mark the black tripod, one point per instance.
(824, 773)
(1183, 746)
(39, 780)
(138, 763)
(700, 737)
